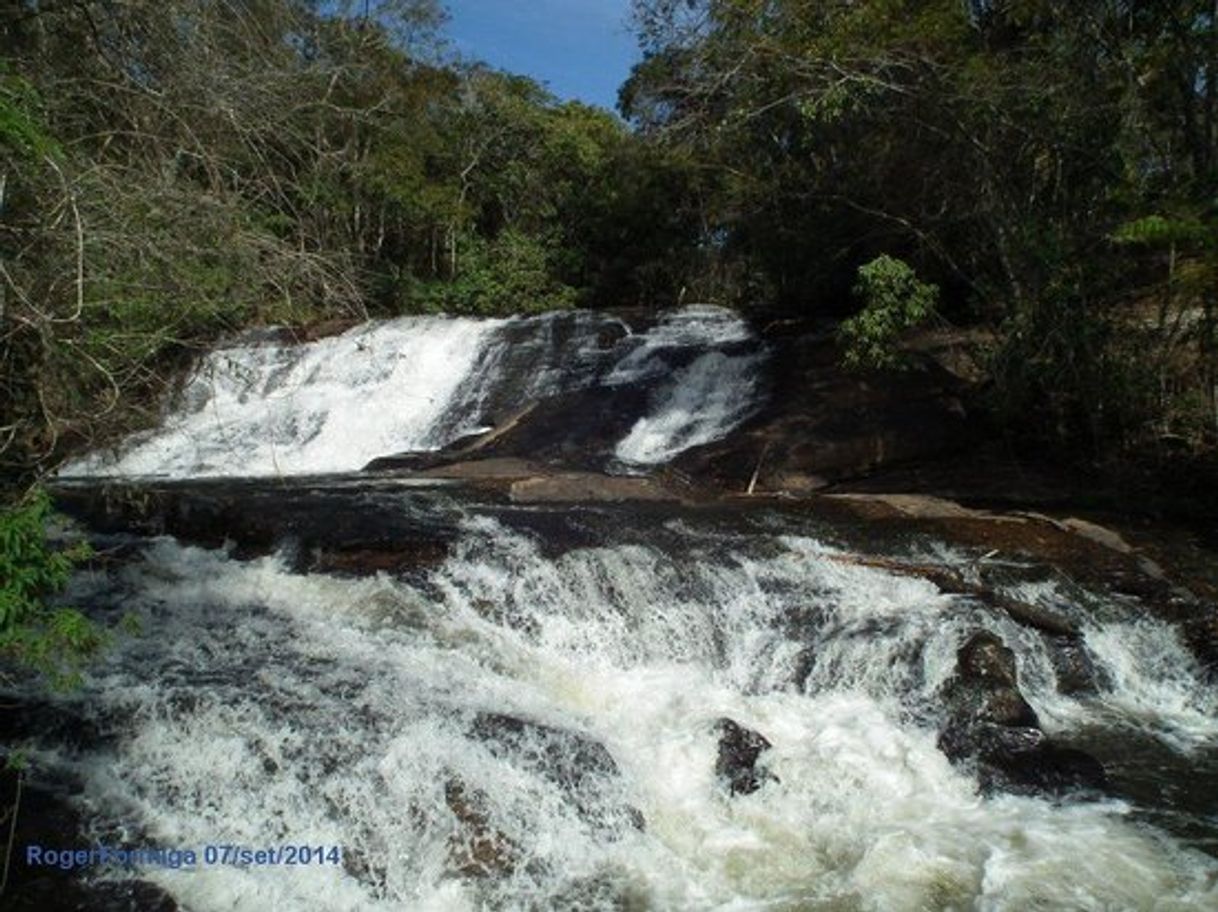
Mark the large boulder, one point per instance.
(991, 727)
(985, 687)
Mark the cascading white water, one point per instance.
(264, 409)
(329, 405)
(264, 706)
(701, 404)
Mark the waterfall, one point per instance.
(488, 704)
(701, 404)
(269, 408)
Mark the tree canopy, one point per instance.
(1051, 165)
(178, 169)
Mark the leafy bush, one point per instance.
(51, 640)
(894, 300)
(511, 273)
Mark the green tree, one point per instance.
(994, 147)
(894, 300)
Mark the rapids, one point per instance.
(263, 703)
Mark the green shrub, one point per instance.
(894, 300)
(21, 126)
(51, 640)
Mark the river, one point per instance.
(528, 716)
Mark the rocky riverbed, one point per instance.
(637, 616)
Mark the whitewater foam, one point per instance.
(268, 705)
(267, 408)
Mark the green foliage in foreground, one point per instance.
(21, 126)
(54, 641)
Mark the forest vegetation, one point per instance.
(1045, 171)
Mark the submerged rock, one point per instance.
(477, 849)
(739, 749)
(572, 760)
(579, 765)
(991, 725)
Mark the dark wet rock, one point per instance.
(610, 335)
(1201, 636)
(571, 759)
(1022, 760)
(985, 659)
(822, 423)
(578, 429)
(803, 623)
(985, 687)
(992, 727)
(1057, 770)
(326, 524)
(804, 664)
(65, 723)
(366, 559)
(579, 765)
(47, 818)
(1038, 617)
(739, 750)
(987, 741)
(1076, 673)
(477, 849)
(1175, 791)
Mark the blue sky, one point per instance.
(579, 48)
